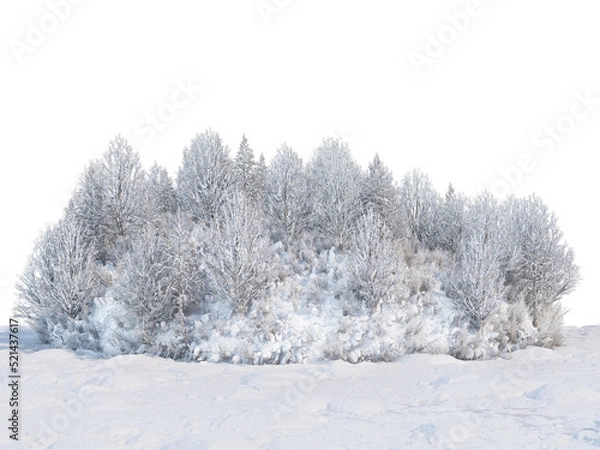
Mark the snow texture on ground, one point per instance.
(534, 399)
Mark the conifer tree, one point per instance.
(380, 193)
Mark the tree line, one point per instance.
(234, 234)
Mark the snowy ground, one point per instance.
(535, 399)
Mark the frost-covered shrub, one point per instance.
(506, 329)
(426, 319)
(468, 343)
(173, 340)
(513, 324)
(364, 338)
(302, 254)
(414, 281)
(423, 271)
(116, 327)
(420, 326)
(238, 341)
(329, 280)
(72, 334)
(272, 332)
(549, 325)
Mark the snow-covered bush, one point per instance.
(427, 318)
(506, 329)
(549, 322)
(423, 271)
(514, 326)
(115, 326)
(70, 333)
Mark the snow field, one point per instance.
(534, 398)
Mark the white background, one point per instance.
(298, 72)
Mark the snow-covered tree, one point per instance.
(445, 222)
(245, 168)
(543, 269)
(205, 177)
(260, 179)
(334, 187)
(123, 191)
(109, 203)
(87, 207)
(174, 263)
(60, 280)
(160, 280)
(160, 195)
(418, 204)
(286, 199)
(374, 261)
(380, 193)
(250, 174)
(477, 283)
(453, 210)
(237, 254)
